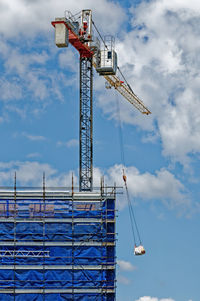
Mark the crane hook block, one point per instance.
(124, 178)
(139, 250)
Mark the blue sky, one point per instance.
(159, 52)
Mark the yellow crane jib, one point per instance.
(125, 91)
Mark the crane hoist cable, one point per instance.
(99, 35)
(124, 79)
(138, 247)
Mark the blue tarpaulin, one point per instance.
(64, 248)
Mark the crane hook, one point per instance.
(124, 177)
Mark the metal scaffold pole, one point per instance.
(86, 125)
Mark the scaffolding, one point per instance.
(57, 244)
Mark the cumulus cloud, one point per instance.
(125, 265)
(25, 59)
(34, 17)
(67, 60)
(69, 143)
(160, 186)
(10, 90)
(163, 65)
(33, 155)
(31, 173)
(26, 79)
(34, 137)
(123, 280)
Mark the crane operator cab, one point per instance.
(139, 250)
(107, 58)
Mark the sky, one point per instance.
(158, 48)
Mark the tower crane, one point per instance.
(78, 31)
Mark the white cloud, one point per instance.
(14, 108)
(34, 137)
(31, 173)
(68, 60)
(10, 90)
(171, 55)
(125, 265)
(70, 143)
(123, 280)
(26, 78)
(162, 65)
(34, 17)
(33, 155)
(28, 173)
(161, 186)
(148, 298)
(25, 69)
(19, 63)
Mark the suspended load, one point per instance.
(107, 58)
(139, 250)
(61, 33)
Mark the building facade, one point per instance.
(57, 245)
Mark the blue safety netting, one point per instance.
(57, 297)
(57, 231)
(59, 255)
(28, 227)
(36, 208)
(57, 279)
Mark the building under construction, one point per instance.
(57, 245)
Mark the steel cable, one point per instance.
(130, 207)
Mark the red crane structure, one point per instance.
(78, 31)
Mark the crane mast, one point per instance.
(86, 125)
(86, 106)
(79, 34)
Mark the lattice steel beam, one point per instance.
(23, 253)
(86, 125)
